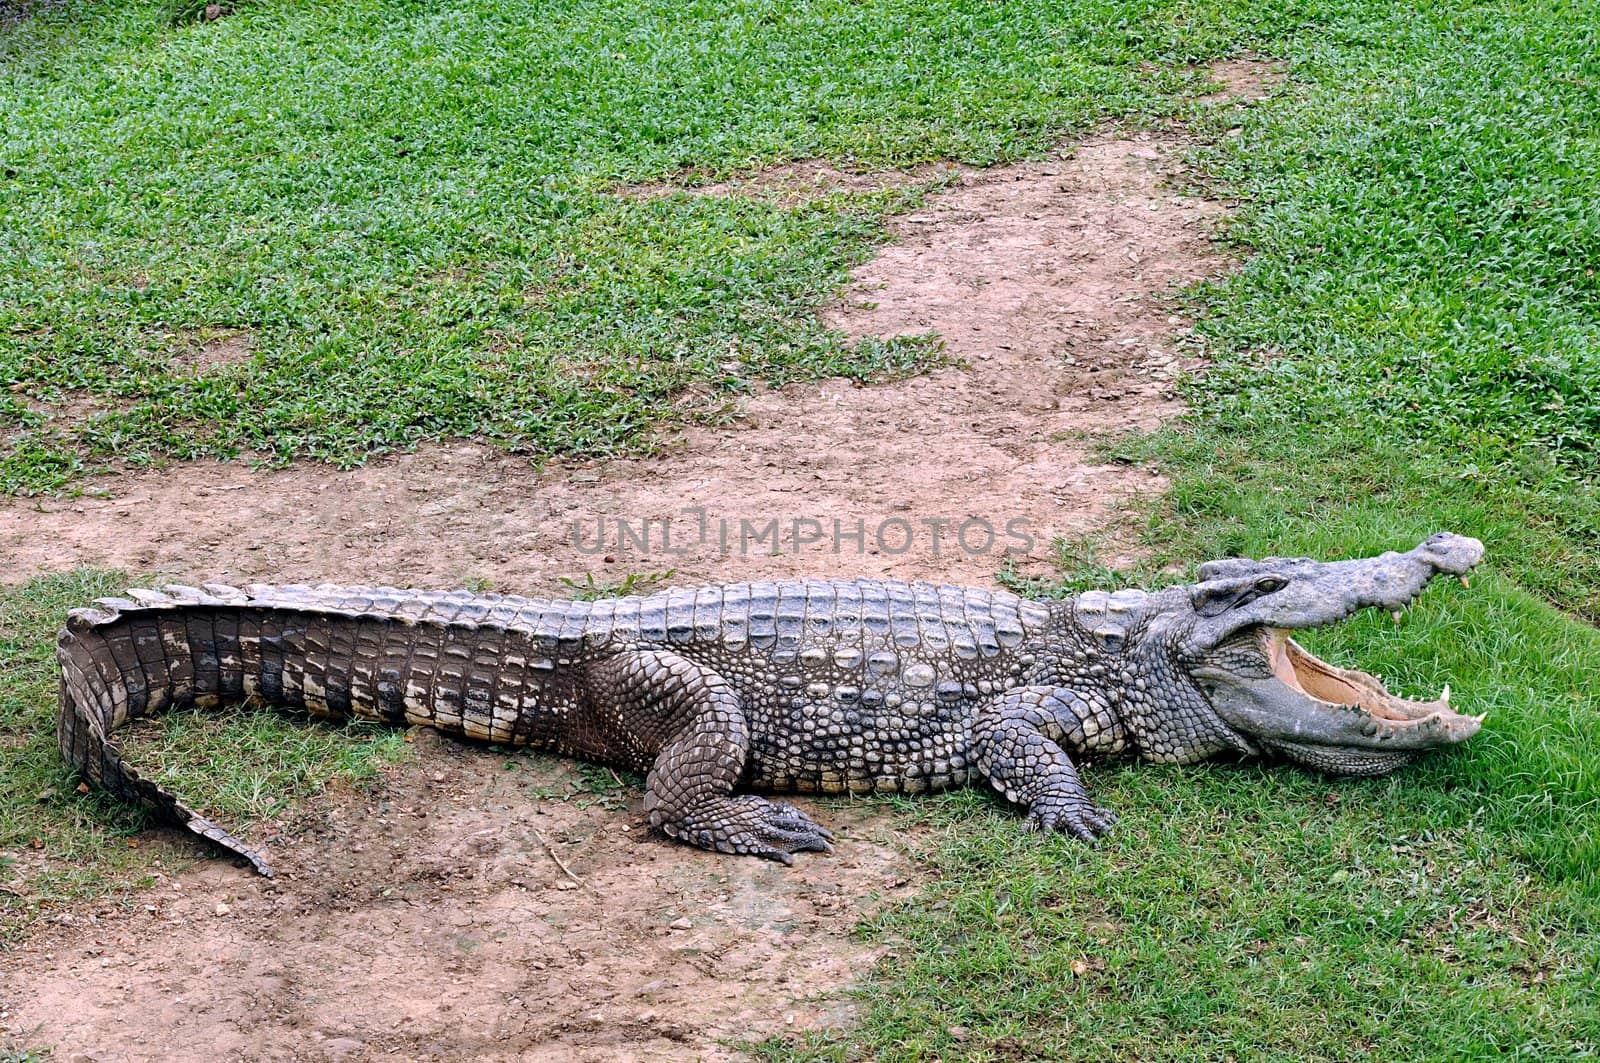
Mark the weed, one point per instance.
(590, 589)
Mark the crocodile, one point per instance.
(795, 686)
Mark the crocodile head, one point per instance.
(1275, 698)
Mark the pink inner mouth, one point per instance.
(1315, 678)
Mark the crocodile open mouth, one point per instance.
(1336, 687)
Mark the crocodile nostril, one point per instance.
(1111, 638)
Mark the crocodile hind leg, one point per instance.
(694, 718)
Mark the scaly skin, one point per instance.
(797, 686)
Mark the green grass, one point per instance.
(411, 210)
(1417, 338)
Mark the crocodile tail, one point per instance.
(106, 680)
(479, 665)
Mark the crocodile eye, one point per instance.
(1215, 597)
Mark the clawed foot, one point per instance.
(752, 826)
(1073, 816)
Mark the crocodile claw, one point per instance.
(753, 826)
(788, 831)
(1078, 818)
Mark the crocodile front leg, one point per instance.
(695, 719)
(1021, 741)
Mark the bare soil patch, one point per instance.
(13, 12)
(1246, 79)
(428, 919)
(207, 349)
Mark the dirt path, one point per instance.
(429, 920)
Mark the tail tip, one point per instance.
(222, 839)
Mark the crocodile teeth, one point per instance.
(1396, 614)
(1444, 695)
(1464, 581)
